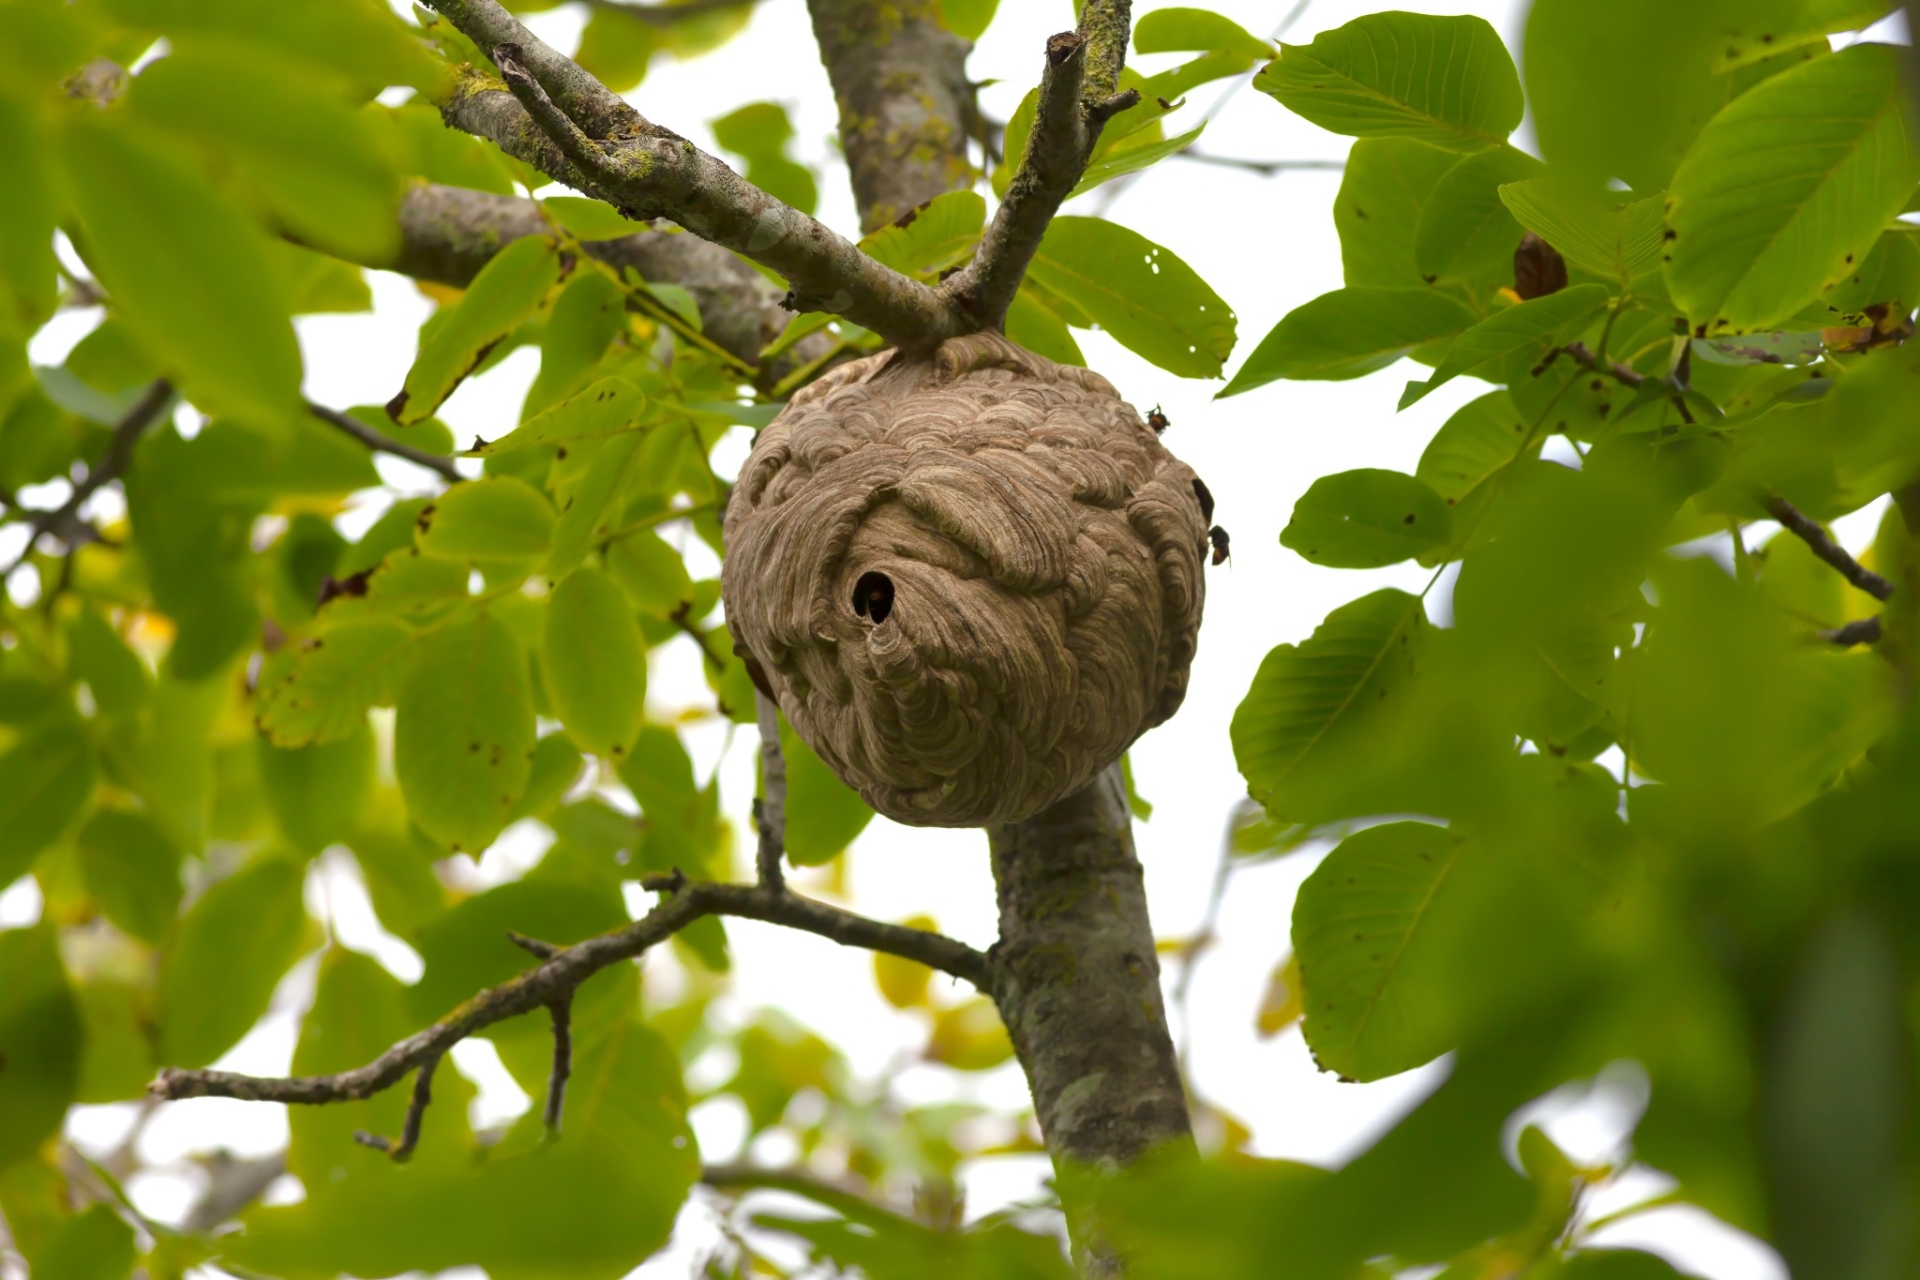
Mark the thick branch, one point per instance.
(599, 111)
(447, 234)
(1075, 101)
(379, 443)
(1810, 532)
(119, 452)
(648, 172)
(900, 80)
(558, 977)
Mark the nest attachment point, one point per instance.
(971, 580)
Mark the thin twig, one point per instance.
(1862, 631)
(1620, 373)
(682, 618)
(119, 453)
(771, 808)
(379, 443)
(562, 1011)
(1074, 103)
(402, 1151)
(1265, 168)
(683, 902)
(1823, 545)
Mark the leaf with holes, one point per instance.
(1152, 303)
(1350, 333)
(1787, 188)
(1356, 931)
(463, 732)
(1445, 81)
(1367, 519)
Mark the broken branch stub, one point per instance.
(972, 579)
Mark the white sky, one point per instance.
(1267, 245)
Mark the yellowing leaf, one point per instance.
(606, 408)
(1280, 1003)
(507, 290)
(904, 984)
(320, 689)
(969, 1037)
(595, 662)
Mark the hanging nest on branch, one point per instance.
(971, 581)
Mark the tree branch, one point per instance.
(647, 171)
(558, 976)
(402, 1151)
(379, 443)
(1810, 532)
(119, 452)
(1076, 100)
(1862, 631)
(771, 808)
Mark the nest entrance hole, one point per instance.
(873, 597)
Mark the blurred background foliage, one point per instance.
(1634, 781)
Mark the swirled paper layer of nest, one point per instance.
(971, 581)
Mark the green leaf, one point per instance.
(927, 240)
(590, 220)
(45, 779)
(132, 871)
(1350, 333)
(464, 732)
(1149, 300)
(40, 1039)
(1613, 238)
(467, 949)
(496, 519)
(1464, 229)
(590, 311)
(120, 682)
(594, 1204)
(28, 284)
(824, 814)
(605, 408)
(1535, 323)
(1367, 519)
(218, 971)
(1769, 27)
(186, 268)
(1121, 161)
(1481, 437)
(967, 19)
(94, 1245)
(1035, 326)
(1195, 30)
(585, 484)
(318, 793)
(1444, 81)
(358, 1013)
(397, 865)
(595, 662)
(322, 688)
(759, 133)
(616, 48)
(1387, 184)
(680, 830)
(317, 160)
(1787, 188)
(508, 290)
(118, 1064)
(556, 767)
(1312, 706)
(1357, 916)
(651, 572)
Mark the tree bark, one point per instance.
(1077, 982)
(900, 80)
(448, 233)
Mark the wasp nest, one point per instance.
(971, 581)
